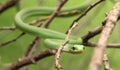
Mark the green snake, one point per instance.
(51, 38)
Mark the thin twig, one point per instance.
(8, 28)
(54, 14)
(31, 48)
(91, 34)
(114, 45)
(106, 62)
(8, 4)
(112, 18)
(10, 41)
(18, 8)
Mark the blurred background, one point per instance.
(12, 52)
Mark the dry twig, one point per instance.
(10, 41)
(31, 48)
(8, 28)
(106, 62)
(54, 14)
(91, 34)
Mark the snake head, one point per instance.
(74, 48)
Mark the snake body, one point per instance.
(52, 38)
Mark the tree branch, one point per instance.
(31, 60)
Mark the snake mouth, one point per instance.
(76, 52)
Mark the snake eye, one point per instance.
(73, 48)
